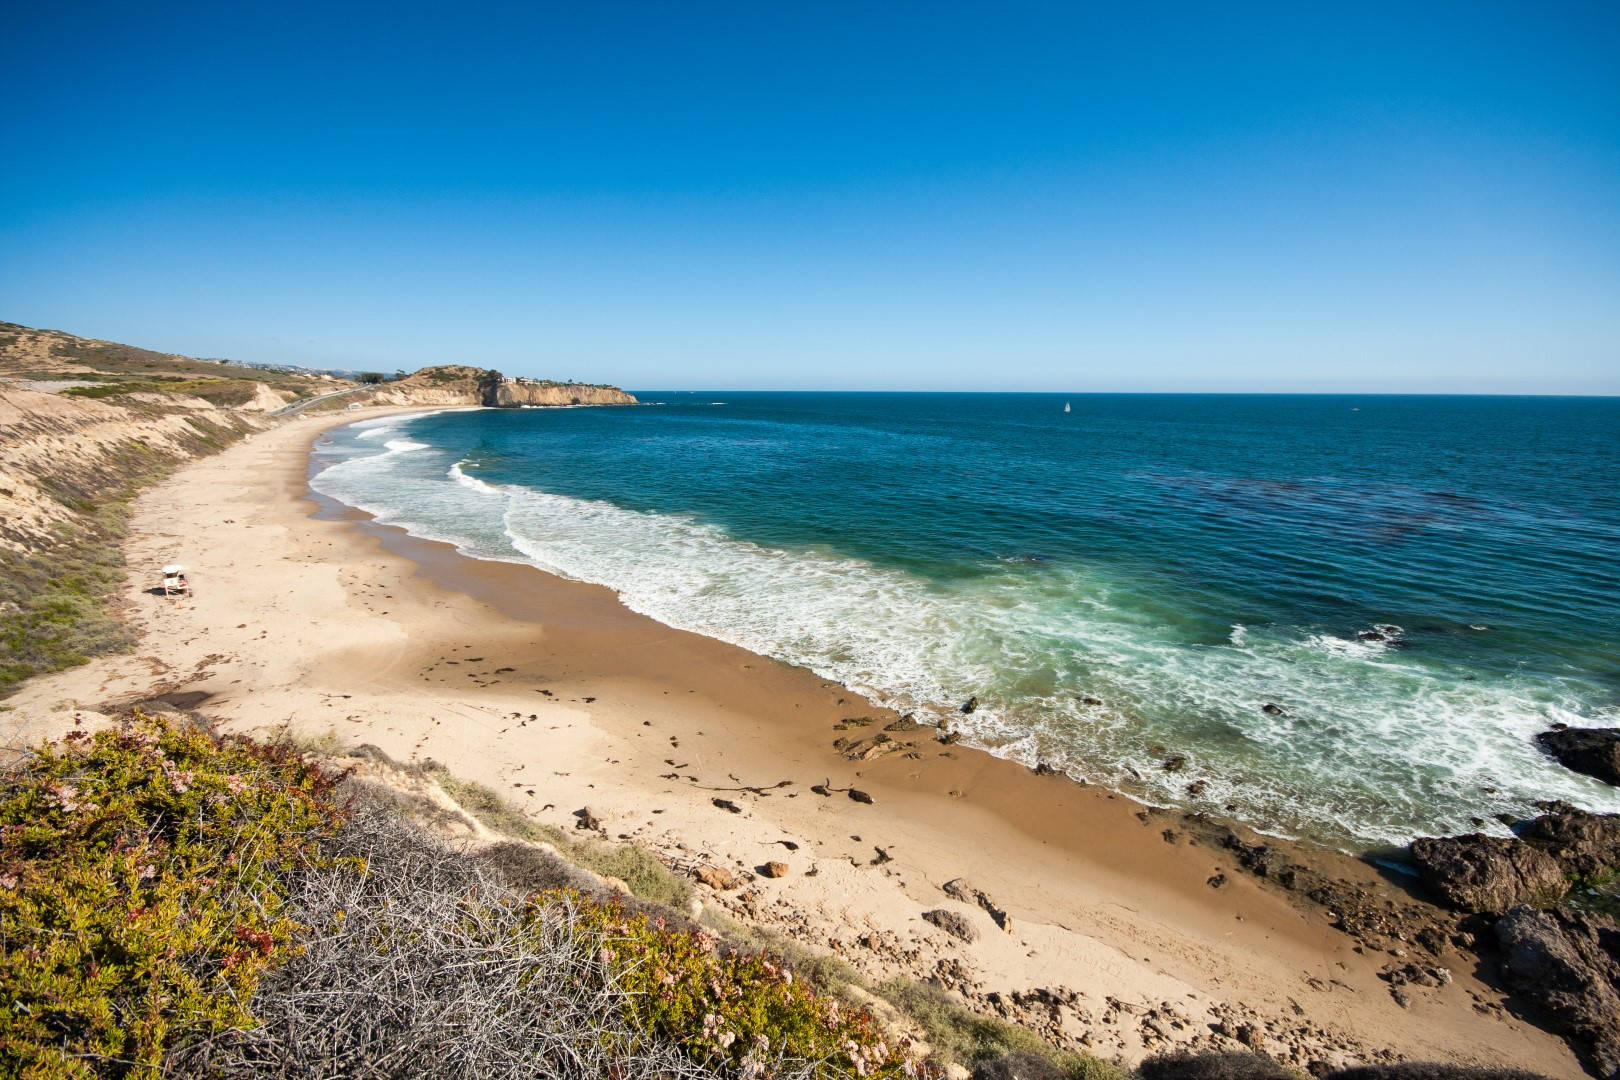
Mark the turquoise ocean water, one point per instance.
(1416, 584)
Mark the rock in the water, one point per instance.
(1488, 874)
(774, 869)
(970, 704)
(953, 923)
(1593, 751)
(1175, 763)
(717, 877)
(1271, 709)
(1568, 963)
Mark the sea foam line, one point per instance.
(1372, 741)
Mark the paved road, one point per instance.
(300, 406)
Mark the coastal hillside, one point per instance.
(84, 425)
(459, 384)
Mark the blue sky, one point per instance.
(1200, 196)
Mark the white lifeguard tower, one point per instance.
(174, 581)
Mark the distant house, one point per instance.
(353, 405)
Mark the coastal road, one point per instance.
(300, 406)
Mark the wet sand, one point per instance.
(555, 694)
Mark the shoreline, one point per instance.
(531, 683)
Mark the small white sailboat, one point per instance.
(1065, 406)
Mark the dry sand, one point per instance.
(555, 694)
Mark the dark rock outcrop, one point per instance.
(1488, 874)
(963, 890)
(1567, 964)
(1584, 844)
(953, 923)
(1593, 751)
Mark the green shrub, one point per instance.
(638, 868)
(141, 890)
(741, 1010)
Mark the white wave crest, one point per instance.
(1271, 719)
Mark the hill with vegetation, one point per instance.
(460, 384)
(84, 425)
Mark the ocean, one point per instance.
(1337, 618)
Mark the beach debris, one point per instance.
(1216, 881)
(717, 878)
(751, 789)
(727, 805)
(882, 856)
(1429, 975)
(965, 891)
(774, 869)
(953, 923)
(586, 819)
(880, 745)
(790, 845)
(824, 790)
(970, 704)
(905, 723)
(860, 796)
(1043, 769)
(853, 722)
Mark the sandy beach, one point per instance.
(555, 694)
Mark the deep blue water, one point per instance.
(1185, 560)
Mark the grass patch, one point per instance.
(56, 613)
(638, 868)
(963, 1035)
(217, 391)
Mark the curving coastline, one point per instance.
(330, 622)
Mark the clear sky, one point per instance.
(1114, 196)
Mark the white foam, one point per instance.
(1372, 743)
(457, 472)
